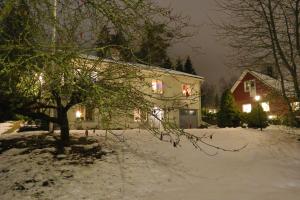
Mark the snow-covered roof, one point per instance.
(268, 80)
(143, 66)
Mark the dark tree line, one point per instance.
(152, 48)
(187, 67)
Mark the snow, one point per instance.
(148, 169)
(5, 126)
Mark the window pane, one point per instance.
(265, 106)
(157, 86)
(137, 115)
(186, 90)
(247, 108)
(89, 112)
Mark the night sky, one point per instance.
(210, 60)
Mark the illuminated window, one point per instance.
(295, 106)
(250, 86)
(157, 86)
(137, 115)
(186, 90)
(247, 108)
(265, 106)
(212, 110)
(79, 113)
(272, 117)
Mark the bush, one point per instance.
(210, 118)
(257, 118)
(229, 115)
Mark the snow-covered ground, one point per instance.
(143, 168)
(5, 126)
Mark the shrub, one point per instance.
(210, 118)
(229, 115)
(257, 118)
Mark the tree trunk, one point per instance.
(64, 125)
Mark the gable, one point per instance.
(263, 79)
(238, 91)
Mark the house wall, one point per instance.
(267, 93)
(172, 90)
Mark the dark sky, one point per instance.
(210, 61)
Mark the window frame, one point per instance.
(264, 104)
(247, 83)
(188, 91)
(247, 110)
(155, 89)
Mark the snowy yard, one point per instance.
(143, 168)
(5, 126)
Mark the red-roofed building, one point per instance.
(253, 87)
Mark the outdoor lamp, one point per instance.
(257, 98)
(78, 114)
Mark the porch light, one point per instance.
(272, 116)
(257, 98)
(41, 79)
(78, 114)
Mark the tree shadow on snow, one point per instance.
(82, 150)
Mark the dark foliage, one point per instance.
(188, 66)
(153, 48)
(229, 115)
(257, 118)
(179, 65)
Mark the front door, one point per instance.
(156, 117)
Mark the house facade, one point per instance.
(176, 98)
(253, 87)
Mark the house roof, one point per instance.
(143, 66)
(267, 80)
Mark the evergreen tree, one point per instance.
(15, 30)
(167, 64)
(257, 118)
(179, 65)
(228, 116)
(113, 43)
(217, 101)
(153, 49)
(188, 66)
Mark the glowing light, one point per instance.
(272, 116)
(78, 114)
(257, 98)
(265, 106)
(247, 108)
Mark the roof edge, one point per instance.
(91, 57)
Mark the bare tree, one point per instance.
(264, 33)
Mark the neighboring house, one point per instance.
(183, 106)
(254, 87)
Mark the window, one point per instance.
(265, 106)
(272, 117)
(247, 108)
(295, 106)
(250, 86)
(137, 115)
(89, 113)
(186, 90)
(157, 86)
(158, 113)
(212, 110)
(79, 112)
